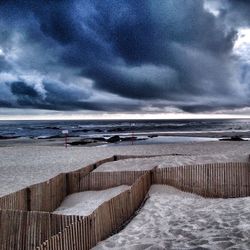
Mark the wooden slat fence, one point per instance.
(16, 201)
(24, 230)
(106, 219)
(73, 178)
(217, 180)
(47, 196)
(104, 180)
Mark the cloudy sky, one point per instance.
(78, 58)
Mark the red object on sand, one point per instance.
(65, 132)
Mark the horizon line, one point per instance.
(120, 116)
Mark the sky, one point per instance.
(124, 58)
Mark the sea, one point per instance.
(82, 128)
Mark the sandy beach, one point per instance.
(171, 219)
(26, 162)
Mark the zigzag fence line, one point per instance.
(25, 216)
(107, 218)
(26, 220)
(48, 195)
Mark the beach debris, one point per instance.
(113, 139)
(233, 138)
(152, 136)
(87, 141)
(131, 138)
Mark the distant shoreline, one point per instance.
(90, 133)
(139, 138)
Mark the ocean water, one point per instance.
(77, 128)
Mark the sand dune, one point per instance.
(84, 203)
(165, 161)
(172, 219)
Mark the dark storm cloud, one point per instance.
(21, 89)
(211, 108)
(147, 51)
(158, 35)
(5, 104)
(55, 96)
(238, 12)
